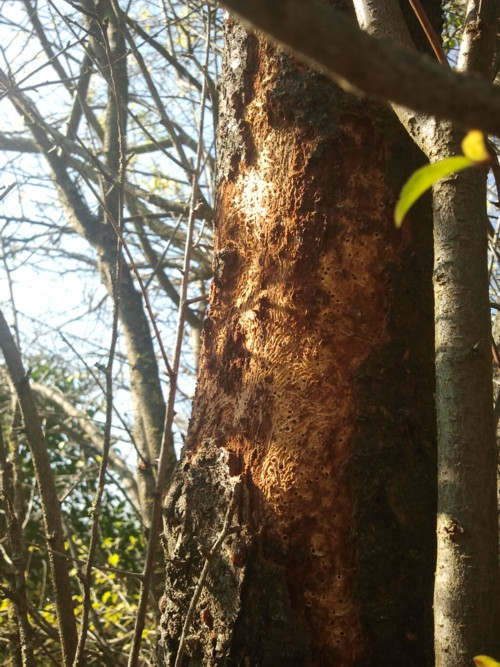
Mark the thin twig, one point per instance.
(79, 561)
(18, 561)
(114, 98)
(29, 113)
(430, 33)
(166, 445)
(98, 382)
(93, 444)
(6, 190)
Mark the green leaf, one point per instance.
(423, 179)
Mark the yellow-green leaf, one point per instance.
(113, 559)
(474, 146)
(423, 179)
(484, 661)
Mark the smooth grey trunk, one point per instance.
(467, 578)
(466, 585)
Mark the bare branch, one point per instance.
(331, 42)
(46, 485)
(94, 436)
(164, 460)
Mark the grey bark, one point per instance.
(466, 594)
(466, 587)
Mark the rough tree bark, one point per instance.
(466, 600)
(328, 41)
(313, 418)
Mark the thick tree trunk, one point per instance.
(312, 446)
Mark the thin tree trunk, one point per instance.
(149, 406)
(19, 630)
(51, 507)
(466, 596)
(315, 391)
(467, 587)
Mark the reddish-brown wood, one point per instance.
(315, 388)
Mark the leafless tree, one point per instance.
(107, 178)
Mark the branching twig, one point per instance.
(166, 446)
(114, 100)
(98, 382)
(80, 562)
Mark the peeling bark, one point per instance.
(315, 388)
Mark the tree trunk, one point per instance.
(467, 585)
(149, 407)
(466, 596)
(311, 448)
